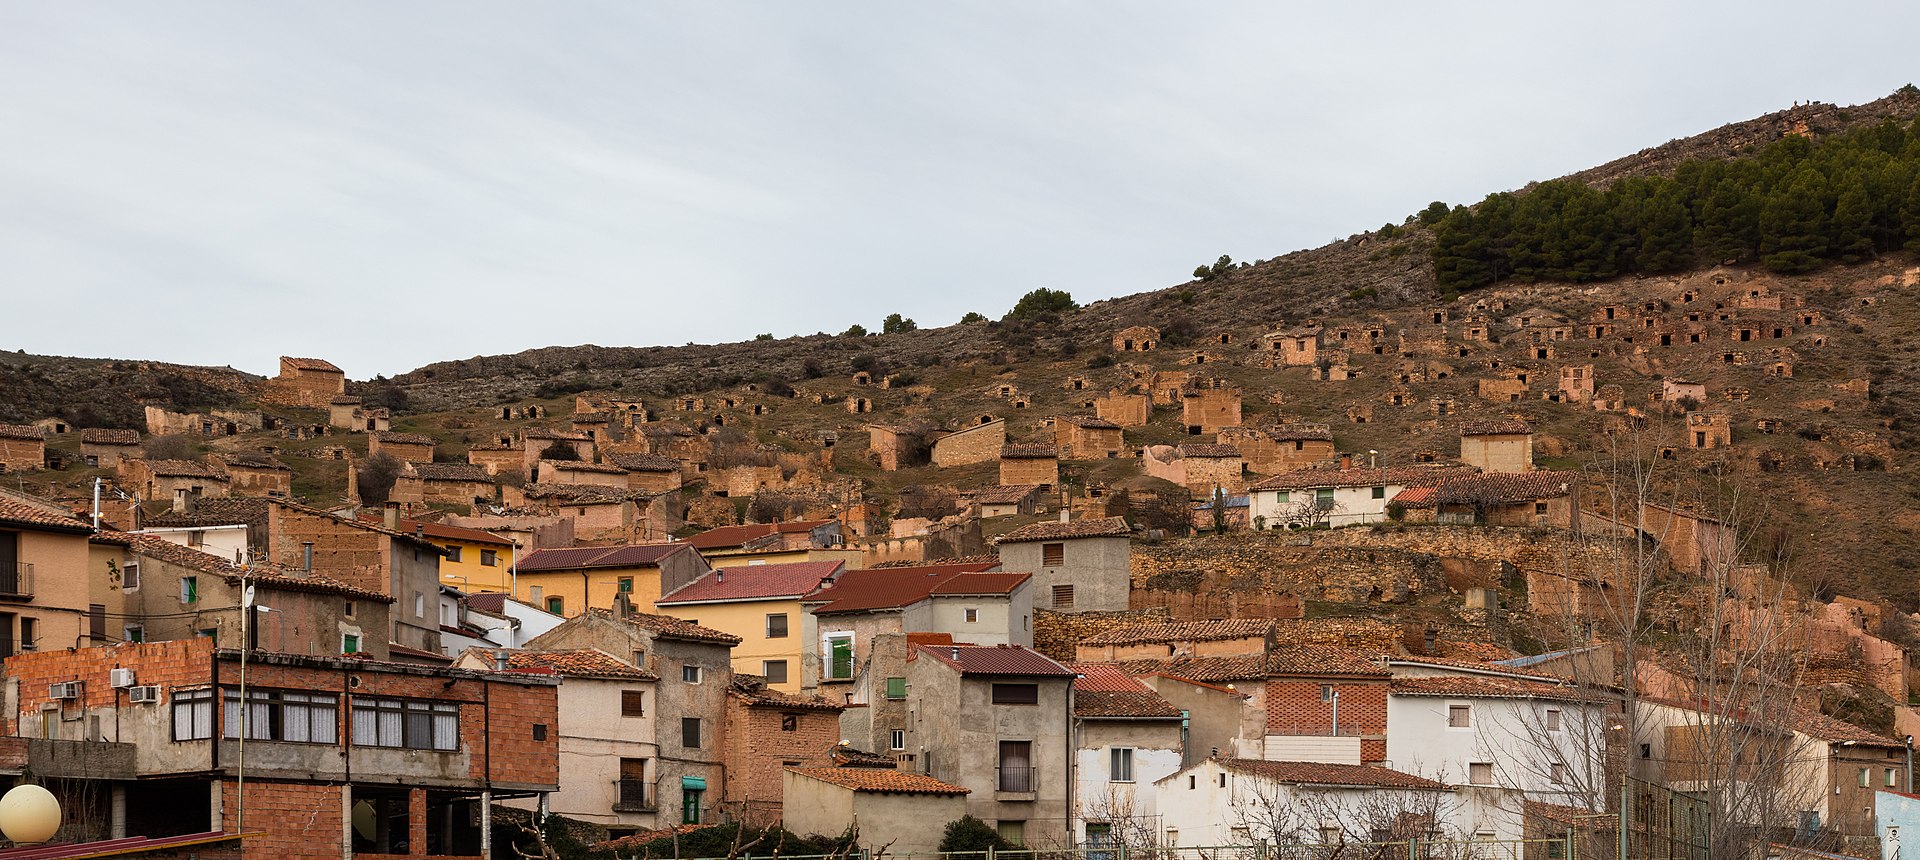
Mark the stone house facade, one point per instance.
(404, 447)
(306, 382)
(1081, 437)
(1207, 411)
(1124, 409)
(23, 448)
(977, 444)
(1029, 464)
(1497, 446)
(104, 449)
(1079, 566)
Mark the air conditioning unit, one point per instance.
(120, 678)
(68, 690)
(144, 695)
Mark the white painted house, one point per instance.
(1230, 801)
(1496, 727)
(1126, 738)
(1335, 497)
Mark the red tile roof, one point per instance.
(1029, 452)
(1183, 631)
(20, 512)
(1510, 427)
(22, 431)
(1474, 666)
(1097, 527)
(580, 494)
(994, 583)
(182, 469)
(887, 587)
(581, 466)
(1213, 670)
(1817, 725)
(590, 557)
(578, 663)
(1495, 488)
(1317, 773)
(644, 462)
(995, 660)
(101, 436)
(1103, 690)
(1008, 495)
(880, 780)
(269, 576)
(1209, 451)
(1405, 476)
(466, 472)
(753, 690)
(731, 536)
(1468, 687)
(667, 626)
(1319, 660)
(755, 582)
(442, 531)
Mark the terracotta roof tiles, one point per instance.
(1209, 451)
(103, 436)
(319, 364)
(644, 462)
(880, 780)
(578, 663)
(995, 660)
(581, 466)
(1494, 487)
(755, 582)
(463, 472)
(1103, 690)
(1029, 452)
(1091, 528)
(268, 576)
(1211, 670)
(669, 627)
(22, 431)
(1324, 660)
(1462, 686)
(1317, 773)
(1406, 476)
(753, 690)
(388, 437)
(1508, 427)
(590, 557)
(726, 537)
(19, 512)
(885, 588)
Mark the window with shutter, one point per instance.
(840, 657)
(1053, 554)
(1063, 597)
(633, 703)
(896, 688)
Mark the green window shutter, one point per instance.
(840, 658)
(896, 688)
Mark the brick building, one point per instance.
(1082, 437)
(461, 485)
(766, 732)
(176, 481)
(1497, 446)
(1207, 411)
(254, 475)
(1079, 566)
(344, 757)
(307, 382)
(1308, 688)
(1282, 447)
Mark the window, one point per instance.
(349, 644)
(419, 605)
(972, 615)
(690, 804)
(1053, 554)
(1192, 782)
(1016, 766)
(134, 633)
(1480, 773)
(1893, 778)
(1326, 692)
(557, 605)
(1865, 780)
(1646, 750)
(777, 625)
(1329, 834)
(896, 688)
(1063, 597)
(453, 553)
(1379, 492)
(1173, 837)
(690, 674)
(405, 723)
(277, 715)
(1223, 779)
(1120, 764)
(189, 589)
(130, 576)
(1557, 773)
(1014, 832)
(775, 670)
(897, 739)
(690, 732)
(347, 610)
(489, 558)
(840, 657)
(1540, 508)
(1283, 497)
(192, 715)
(626, 585)
(1099, 836)
(1016, 694)
(789, 722)
(633, 703)
(539, 731)
(1459, 716)
(1553, 719)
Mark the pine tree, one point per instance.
(1793, 223)
(1849, 232)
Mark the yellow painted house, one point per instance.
(475, 561)
(761, 605)
(570, 580)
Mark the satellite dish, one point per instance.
(246, 599)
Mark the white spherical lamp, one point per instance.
(29, 815)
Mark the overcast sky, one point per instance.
(388, 184)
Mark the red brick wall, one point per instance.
(168, 664)
(517, 757)
(1294, 707)
(294, 821)
(754, 749)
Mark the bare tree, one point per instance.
(376, 476)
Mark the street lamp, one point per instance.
(29, 814)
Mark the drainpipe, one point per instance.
(1072, 728)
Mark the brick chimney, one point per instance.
(1346, 462)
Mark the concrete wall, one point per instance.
(902, 823)
(1507, 452)
(955, 720)
(1504, 733)
(1097, 568)
(1097, 796)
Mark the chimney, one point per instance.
(420, 530)
(392, 516)
(180, 500)
(500, 660)
(1346, 462)
(1066, 513)
(306, 555)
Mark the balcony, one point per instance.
(1016, 783)
(636, 795)
(16, 580)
